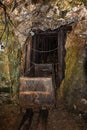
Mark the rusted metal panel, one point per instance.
(43, 70)
(36, 92)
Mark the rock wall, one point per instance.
(74, 86)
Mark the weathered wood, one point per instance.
(36, 92)
(27, 57)
(61, 55)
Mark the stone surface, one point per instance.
(43, 17)
(74, 86)
(27, 16)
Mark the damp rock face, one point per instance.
(74, 86)
(41, 17)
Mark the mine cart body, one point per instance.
(38, 91)
(44, 68)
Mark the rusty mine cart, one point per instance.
(45, 58)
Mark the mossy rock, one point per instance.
(74, 86)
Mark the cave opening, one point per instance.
(46, 54)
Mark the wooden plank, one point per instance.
(36, 92)
(61, 55)
(27, 56)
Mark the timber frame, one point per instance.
(61, 34)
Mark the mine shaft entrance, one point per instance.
(44, 50)
(48, 47)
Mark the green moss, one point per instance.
(13, 50)
(10, 65)
(73, 87)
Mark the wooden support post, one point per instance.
(27, 57)
(61, 54)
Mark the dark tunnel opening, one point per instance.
(85, 62)
(48, 48)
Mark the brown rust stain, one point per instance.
(32, 92)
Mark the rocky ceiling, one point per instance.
(44, 17)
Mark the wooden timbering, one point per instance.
(61, 54)
(46, 41)
(27, 57)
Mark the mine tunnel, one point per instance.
(43, 72)
(47, 47)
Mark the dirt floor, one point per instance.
(58, 119)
